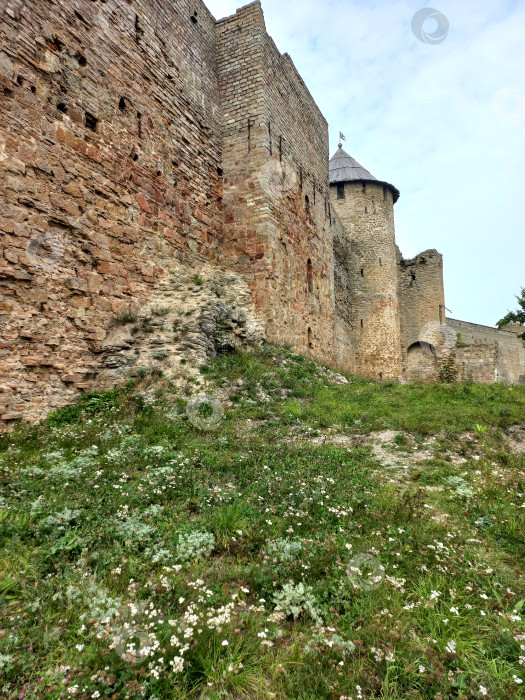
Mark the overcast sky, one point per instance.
(444, 122)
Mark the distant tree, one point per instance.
(515, 316)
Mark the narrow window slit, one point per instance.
(309, 276)
(91, 121)
(139, 32)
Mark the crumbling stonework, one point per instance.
(142, 142)
(193, 315)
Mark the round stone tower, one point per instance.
(365, 207)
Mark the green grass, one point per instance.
(125, 529)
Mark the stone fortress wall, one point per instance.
(367, 214)
(277, 220)
(110, 144)
(142, 139)
(486, 354)
(422, 300)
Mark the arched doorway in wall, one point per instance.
(421, 362)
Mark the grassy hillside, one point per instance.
(297, 538)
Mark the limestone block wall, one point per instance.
(422, 305)
(278, 220)
(110, 155)
(421, 364)
(368, 217)
(489, 355)
(345, 340)
(421, 294)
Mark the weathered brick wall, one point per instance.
(109, 147)
(368, 216)
(277, 229)
(488, 354)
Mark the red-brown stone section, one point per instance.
(109, 155)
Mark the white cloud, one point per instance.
(444, 123)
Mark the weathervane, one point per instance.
(341, 138)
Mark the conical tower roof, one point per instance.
(343, 168)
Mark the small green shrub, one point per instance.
(158, 354)
(127, 316)
(460, 486)
(194, 545)
(459, 342)
(284, 548)
(160, 310)
(296, 599)
(89, 405)
(448, 370)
